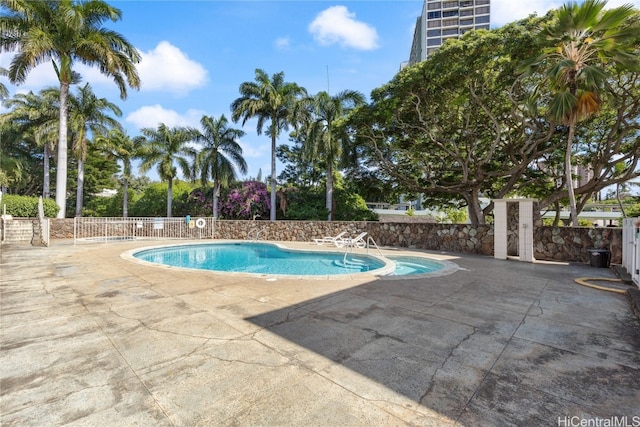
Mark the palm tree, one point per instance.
(273, 100)
(37, 115)
(583, 41)
(220, 156)
(118, 145)
(163, 147)
(66, 32)
(87, 115)
(4, 92)
(324, 138)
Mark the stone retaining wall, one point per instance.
(550, 243)
(573, 243)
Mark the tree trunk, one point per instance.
(329, 201)
(169, 197)
(476, 217)
(619, 200)
(80, 190)
(272, 215)
(556, 218)
(216, 193)
(61, 167)
(125, 198)
(569, 177)
(46, 181)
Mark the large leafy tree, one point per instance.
(66, 32)
(454, 127)
(19, 161)
(164, 147)
(325, 137)
(272, 100)
(36, 116)
(220, 156)
(298, 170)
(118, 145)
(88, 114)
(582, 42)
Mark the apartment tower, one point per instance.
(442, 20)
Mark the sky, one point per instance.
(195, 55)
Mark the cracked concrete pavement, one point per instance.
(90, 338)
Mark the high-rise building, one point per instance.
(442, 20)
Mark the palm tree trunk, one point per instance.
(80, 190)
(61, 167)
(272, 214)
(216, 193)
(169, 197)
(46, 180)
(329, 201)
(125, 198)
(569, 177)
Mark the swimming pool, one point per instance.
(272, 259)
(262, 258)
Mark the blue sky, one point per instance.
(197, 53)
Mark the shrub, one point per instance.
(153, 202)
(27, 207)
(451, 215)
(252, 199)
(306, 204)
(352, 207)
(633, 211)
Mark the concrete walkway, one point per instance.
(91, 339)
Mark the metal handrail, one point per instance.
(257, 231)
(368, 242)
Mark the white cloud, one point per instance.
(152, 115)
(38, 78)
(505, 11)
(167, 68)
(282, 43)
(254, 151)
(337, 25)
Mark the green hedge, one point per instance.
(27, 207)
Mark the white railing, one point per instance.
(631, 248)
(119, 229)
(254, 233)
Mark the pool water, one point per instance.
(265, 258)
(408, 265)
(259, 258)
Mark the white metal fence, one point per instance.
(118, 229)
(631, 248)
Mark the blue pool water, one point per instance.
(408, 265)
(259, 258)
(264, 258)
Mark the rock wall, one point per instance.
(550, 243)
(573, 243)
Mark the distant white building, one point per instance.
(442, 20)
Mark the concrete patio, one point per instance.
(89, 338)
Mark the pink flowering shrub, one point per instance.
(246, 202)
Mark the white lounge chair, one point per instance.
(329, 239)
(358, 242)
